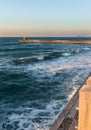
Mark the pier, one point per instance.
(26, 40)
(77, 113)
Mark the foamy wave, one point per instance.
(4, 62)
(77, 65)
(33, 119)
(86, 48)
(25, 60)
(39, 127)
(66, 54)
(72, 93)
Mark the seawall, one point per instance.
(56, 41)
(68, 118)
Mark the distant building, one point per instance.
(25, 38)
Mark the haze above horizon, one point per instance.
(45, 18)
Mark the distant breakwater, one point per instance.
(56, 41)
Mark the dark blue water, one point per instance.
(37, 80)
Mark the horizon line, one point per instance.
(45, 36)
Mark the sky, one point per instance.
(45, 17)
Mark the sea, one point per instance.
(37, 80)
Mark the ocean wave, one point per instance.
(66, 54)
(52, 55)
(31, 119)
(60, 54)
(46, 57)
(49, 69)
(14, 49)
(86, 48)
(26, 60)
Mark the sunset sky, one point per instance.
(45, 17)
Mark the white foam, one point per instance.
(39, 127)
(66, 54)
(54, 67)
(28, 115)
(23, 119)
(86, 48)
(72, 93)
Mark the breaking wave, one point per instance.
(53, 55)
